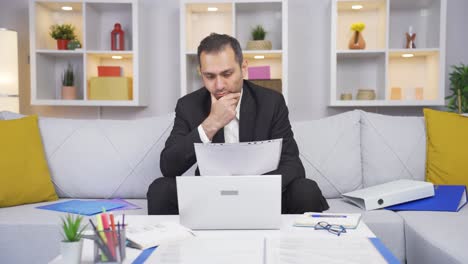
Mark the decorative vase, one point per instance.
(357, 41)
(71, 251)
(62, 44)
(259, 45)
(365, 94)
(69, 92)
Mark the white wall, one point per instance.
(309, 59)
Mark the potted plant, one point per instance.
(458, 100)
(357, 40)
(72, 244)
(68, 81)
(63, 34)
(258, 41)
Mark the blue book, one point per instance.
(82, 207)
(450, 198)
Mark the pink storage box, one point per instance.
(259, 73)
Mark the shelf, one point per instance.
(94, 20)
(267, 14)
(200, 22)
(46, 14)
(424, 16)
(359, 53)
(100, 20)
(373, 15)
(366, 103)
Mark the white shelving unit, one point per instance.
(93, 20)
(381, 66)
(235, 18)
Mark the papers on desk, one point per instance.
(151, 235)
(211, 250)
(246, 158)
(330, 249)
(311, 219)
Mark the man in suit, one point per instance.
(230, 109)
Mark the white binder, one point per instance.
(390, 193)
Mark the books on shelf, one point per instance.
(312, 219)
(151, 235)
(449, 198)
(390, 193)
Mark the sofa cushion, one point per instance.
(103, 158)
(330, 151)
(24, 176)
(392, 148)
(447, 147)
(436, 237)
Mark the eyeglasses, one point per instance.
(334, 229)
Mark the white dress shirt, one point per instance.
(231, 130)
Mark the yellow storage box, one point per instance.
(110, 88)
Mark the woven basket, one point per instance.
(259, 45)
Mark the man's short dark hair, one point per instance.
(218, 42)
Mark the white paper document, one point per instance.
(245, 158)
(300, 249)
(150, 235)
(211, 250)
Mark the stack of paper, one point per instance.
(151, 235)
(312, 219)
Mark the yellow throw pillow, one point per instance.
(447, 147)
(24, 174)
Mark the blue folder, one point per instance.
(448, 198)
(384, 251)
(82, 207)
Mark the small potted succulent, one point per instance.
(258, 41)
(72, 242)
(458, 100)
(68, 84)
(63, 34)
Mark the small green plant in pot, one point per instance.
(63, 34)
(458, 100)
(68, 84)
(72, 244)
(258, 41)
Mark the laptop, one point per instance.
(230, 202)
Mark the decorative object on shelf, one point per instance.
(109, 71)
(63, 34)
(357, 40)
(410, 38)
(72, 243)
(365, 94)
(259, 72)
(74, 44)
(68, 81)
(9, 92)
(110, 88)
(396, 93)
(419, 93)
(259, 42)
(346, 96)
(117, 37)
(458, 100)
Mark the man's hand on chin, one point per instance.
(223, 111)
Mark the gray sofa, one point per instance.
(112, 158)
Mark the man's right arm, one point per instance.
(178, 154)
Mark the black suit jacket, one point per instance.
(263, 116)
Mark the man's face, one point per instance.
(221, 72)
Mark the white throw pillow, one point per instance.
(393, 148)
(330, 152)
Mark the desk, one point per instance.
(287, 228)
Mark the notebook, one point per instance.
(151, 235)
(449, 198)
(312, 219)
